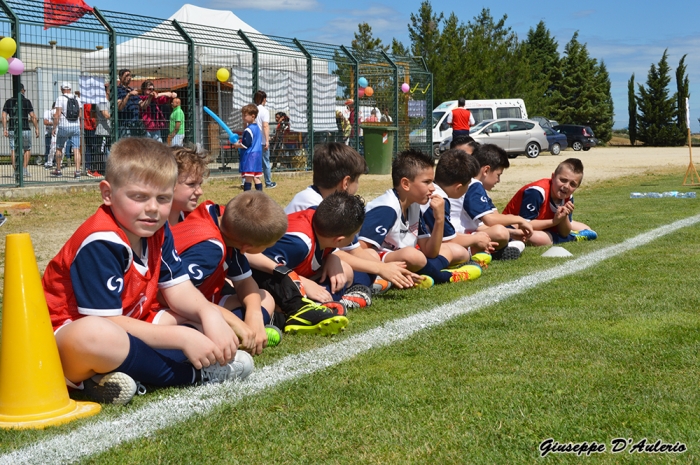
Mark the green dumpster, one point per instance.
(379, 147)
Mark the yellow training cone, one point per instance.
(33, 392)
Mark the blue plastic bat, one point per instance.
(232, 136)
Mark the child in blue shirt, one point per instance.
(250, 151)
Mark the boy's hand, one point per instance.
(245, 334)
(483, 242)
(560, 214)
(215, 328)
(259, 339)
(315, 291)
(437, 204)
(333, 269)
(199, 349)
(397, 274)
(569, 207)
(526, 228)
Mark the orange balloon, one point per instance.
(369, 91)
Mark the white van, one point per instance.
(480, 109)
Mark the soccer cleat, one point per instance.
(380, 286)
(483, 259)
(338, 308)
(465, 273)
(506, 253)
(584, 235)
(314, 318)
(425, 283)
(274, 335)
(239, 368)
(112, 388)
(357, 296)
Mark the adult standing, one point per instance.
(263, 122)
(151, 113)
(460, 119)
(66, 126)
(90, 125)
(10, 119)
(386, 117)
(128, 104)
(49, 138)
(103, 133)
(177, 124)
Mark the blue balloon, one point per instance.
(232, 136)
(362, 82)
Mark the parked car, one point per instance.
(557, 141)
(544, 122)
(514, 135)
(578, 137)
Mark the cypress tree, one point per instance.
(632, 110)
(683, 86)
(656, 125)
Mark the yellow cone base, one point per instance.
(72, 411)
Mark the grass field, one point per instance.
(607, 352)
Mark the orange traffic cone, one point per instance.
(33, 391)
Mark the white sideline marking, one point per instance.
(101, 435)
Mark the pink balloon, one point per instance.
(16, 67)
(361, 92)
(405, 87)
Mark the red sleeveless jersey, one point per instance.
(460, 119)
(300, 224)
(139, 292)
(198, 227)
(545, 212)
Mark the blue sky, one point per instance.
(627, 35)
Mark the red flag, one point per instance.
(63, 12)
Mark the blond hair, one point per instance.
(141, 160)
(253, 218)
(190, 162)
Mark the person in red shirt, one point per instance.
(460, 119)
(91, 150)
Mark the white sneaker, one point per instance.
(112, 388)
(520, 245)
(239, 368)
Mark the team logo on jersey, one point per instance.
(530, 207)
(484, 199)
(195, 271)
(280, 259)
(114, 284)
(176, 256)
(381, 230)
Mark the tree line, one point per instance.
(657, 117)
(485, 59)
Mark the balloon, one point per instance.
(362, 82)
(4, 66)
(8, 47)
(369, 91)
(233, 138)
(16, 67)
(222, 75)
(405, 87)
(361, 92)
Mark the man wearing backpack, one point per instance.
(66, 123)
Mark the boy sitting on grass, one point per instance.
(306, 248)
(212, 241)
(102, 288)
(394, 225)
(453, 174)
(478, 213)
(548, 205)
(337, 168)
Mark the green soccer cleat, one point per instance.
(482, 259)
(314, 318)
(426, 283)
(465, 273)
(274, 335)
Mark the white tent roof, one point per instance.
(150, 56)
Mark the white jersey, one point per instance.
(462, 222)
(308, 198)
(386, 228)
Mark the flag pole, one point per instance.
(691, 174)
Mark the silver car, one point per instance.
(514, 135)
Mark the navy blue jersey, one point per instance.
(477, 202)
(429, 219)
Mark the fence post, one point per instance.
(355, 97)
(113, 97)
(191, 113)
(396, 96)
(309, 97)
(16, 82)
(256, 69)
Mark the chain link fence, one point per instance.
(140, 76)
